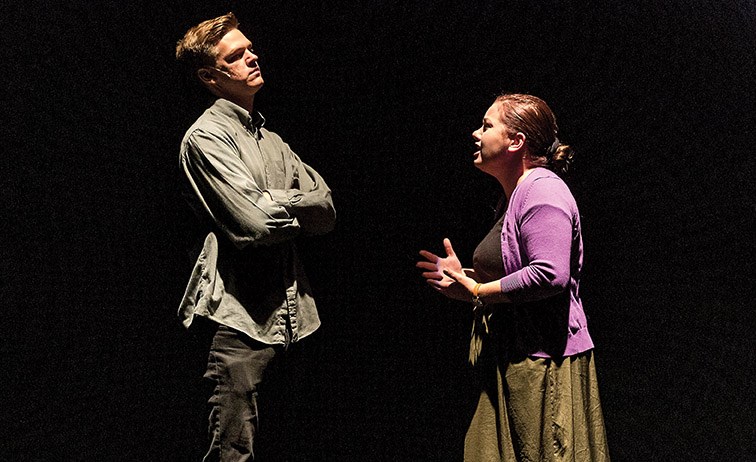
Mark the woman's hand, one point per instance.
(446, 274)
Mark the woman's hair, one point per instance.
(531, 116)
(197, 48)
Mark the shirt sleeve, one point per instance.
(546, 230)
(227, 191)
(310, 200)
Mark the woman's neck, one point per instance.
(509, 179)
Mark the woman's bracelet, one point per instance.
(477, 301)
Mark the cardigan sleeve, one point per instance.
(545, 228)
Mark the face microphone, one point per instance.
(223, 72)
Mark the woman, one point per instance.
(530, 341)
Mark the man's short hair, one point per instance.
(197, 48)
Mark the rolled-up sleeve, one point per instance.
(229, 194)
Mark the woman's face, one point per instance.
(492, 140)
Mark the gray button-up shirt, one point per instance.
(256, 196)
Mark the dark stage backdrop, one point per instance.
(381, 97)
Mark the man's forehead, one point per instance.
(232, 41)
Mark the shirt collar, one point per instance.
(255, 119)
(252, 120)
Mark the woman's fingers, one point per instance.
(448, 247)
(426, 265)
(432, 257)
(432, 275)
(449, 274)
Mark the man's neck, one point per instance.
(248, 103)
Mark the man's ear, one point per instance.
(205, 76)
(518, 141)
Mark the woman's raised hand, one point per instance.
(445, 274)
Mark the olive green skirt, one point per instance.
(538, 410)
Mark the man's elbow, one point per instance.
(325, 223)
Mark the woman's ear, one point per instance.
(517, 141)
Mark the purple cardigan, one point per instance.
(542, 249)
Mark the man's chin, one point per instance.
(256, 86)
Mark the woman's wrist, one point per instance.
(476, 300)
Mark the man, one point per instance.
(256, 197)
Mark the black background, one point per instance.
(381, 98)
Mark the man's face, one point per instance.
(236, 73)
